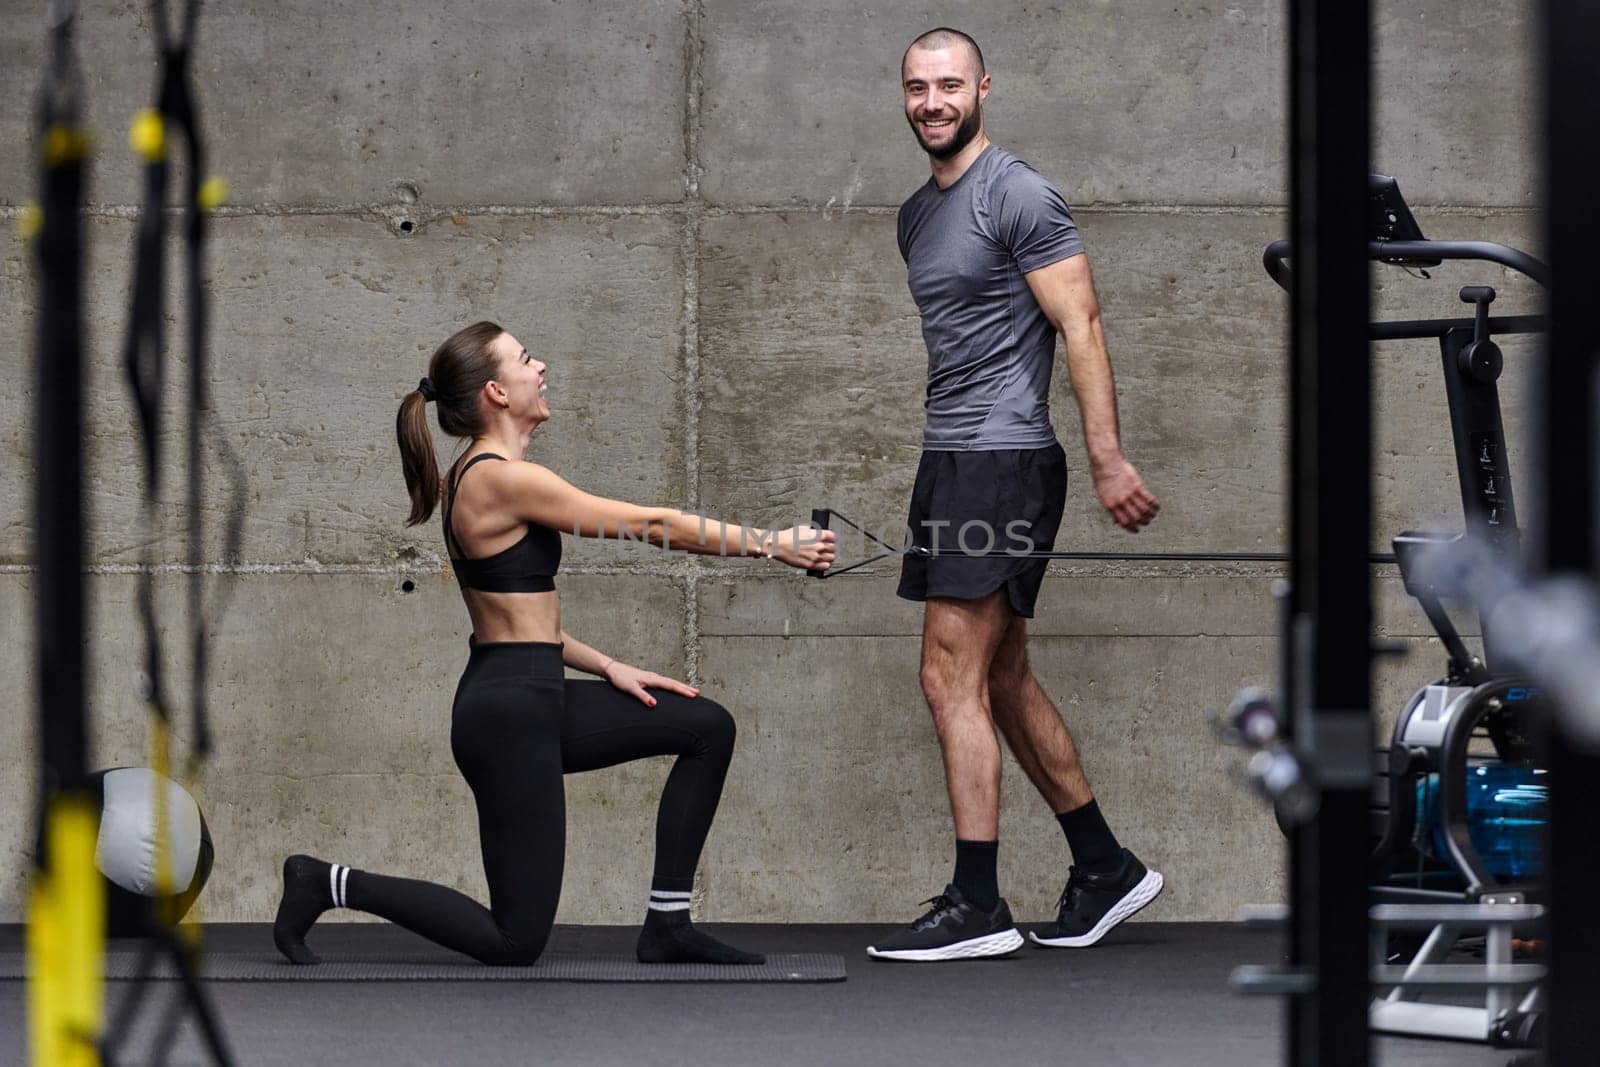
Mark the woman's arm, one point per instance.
(582, 657)
(537, 494)
(624, 676)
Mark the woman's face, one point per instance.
(522, 378)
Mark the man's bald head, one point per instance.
(943, 37)
(945, 85)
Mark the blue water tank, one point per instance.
(1507, 810)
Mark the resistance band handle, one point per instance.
(820, 517)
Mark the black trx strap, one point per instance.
(821, 517)
(66, 911)
(177, 114)
(144, 360)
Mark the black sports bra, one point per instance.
(529, 566)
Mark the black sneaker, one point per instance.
(1092, 904)
(952, 930)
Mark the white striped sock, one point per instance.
(338, 879)
(669, 900)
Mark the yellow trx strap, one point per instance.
(66, 939)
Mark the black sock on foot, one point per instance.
(669, 937)
(1094, 847)
(976, 863)
(307, 893)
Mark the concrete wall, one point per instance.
(687, 210)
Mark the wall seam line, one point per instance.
(433, 212)
(694, 207)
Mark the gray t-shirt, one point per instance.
(990, 346)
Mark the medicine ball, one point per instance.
(125, 851)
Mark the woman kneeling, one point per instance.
(517, 724)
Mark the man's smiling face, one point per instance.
(944, 92)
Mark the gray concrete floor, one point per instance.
(1150, 994)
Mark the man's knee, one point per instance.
(1009, 675)
(939, 682)
(958, 645)
(952, 698)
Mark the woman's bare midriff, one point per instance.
(514, 616)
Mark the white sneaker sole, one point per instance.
(971, 949)
(1148, 889)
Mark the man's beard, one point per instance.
(965, 132)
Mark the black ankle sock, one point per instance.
(975, 873)
(1094, 847)
(669, 937)
(307, 893)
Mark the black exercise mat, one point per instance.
(418, 967)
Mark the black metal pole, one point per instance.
(58, 460)
(1330, 522)
(1565, 520)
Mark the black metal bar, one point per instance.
(1330, 520)
(1566, 432)
(1565, 507)
(1482, 466)
(59, 597)
(1482, 251)
(1418, 329)
(1405, 894)
(1276, 257)
(1461, 660)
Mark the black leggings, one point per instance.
(517, 727)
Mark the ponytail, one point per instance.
(416, 456)
(457, 373)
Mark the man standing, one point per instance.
(997, 269)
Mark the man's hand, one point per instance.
(1122, 492)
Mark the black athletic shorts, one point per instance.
(970, 508)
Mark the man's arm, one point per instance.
(1065, 292)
